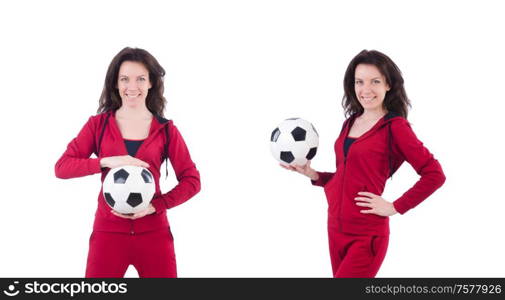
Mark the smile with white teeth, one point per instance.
(367, 99)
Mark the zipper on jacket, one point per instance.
(132, 232)
(360, 138)
(342, 195)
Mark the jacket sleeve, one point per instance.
(324, 177)
(76, 161)
(185, 171)
(423, 162)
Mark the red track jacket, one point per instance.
(370, 161)
(76, 162)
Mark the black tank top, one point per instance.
(347, 144)
(132, 146)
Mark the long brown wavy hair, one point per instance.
(155, 101)
(396, 99)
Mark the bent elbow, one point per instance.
(437, 174)
(441, 179)
(59, 173)
(197, 185)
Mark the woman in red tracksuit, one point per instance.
(130, 130)
(374, 141)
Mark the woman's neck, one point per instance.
(372, 115)
(137, 113)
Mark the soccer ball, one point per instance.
(128, 189)
(294, 142)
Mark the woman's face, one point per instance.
(370, 87)
(133, 83)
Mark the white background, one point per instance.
(235, 69)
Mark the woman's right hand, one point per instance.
(305, 170)
(123, 160)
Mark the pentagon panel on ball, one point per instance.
(294, 142)
(128, 189)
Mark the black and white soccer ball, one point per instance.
(294, 142)
(128, 189)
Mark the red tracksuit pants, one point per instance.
(151, 253)
(356, 255)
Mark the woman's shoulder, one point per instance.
(401, 127)
(100, 117)
(97, 120)
(348, 119)
(396, 120)
(161, 119)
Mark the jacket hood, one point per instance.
(157, 123)
(391, 117)
(388, 118)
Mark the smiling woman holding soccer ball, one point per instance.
(130, 130)
(374, 141)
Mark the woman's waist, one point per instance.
(106, 221)
(366, 225)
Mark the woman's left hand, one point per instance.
(149, 210)
(377, 204)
